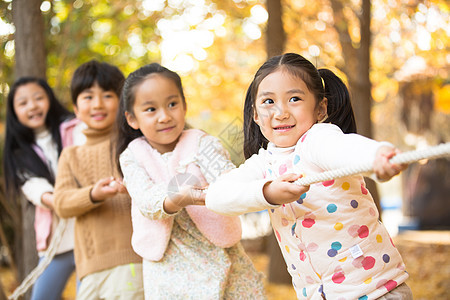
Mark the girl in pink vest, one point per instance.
(37, 127)
(188, 251)
(299, 121)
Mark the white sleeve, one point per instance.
(329, 148)
(78, 136)
(146, 194)
(34, 188)
(240, 190)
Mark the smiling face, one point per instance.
(159, 112)
(285, 108)
(97, 107)
(31, 105)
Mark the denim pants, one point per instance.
(50, 285)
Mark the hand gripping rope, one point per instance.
(434, 152)
(441, 150)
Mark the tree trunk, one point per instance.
(275, 43)
(29, 39)
(26, 253)
(357, 63)
(361, 86)
(357, 70)
(275, 35)
(277, 269)
(30, 60)
(2, 293)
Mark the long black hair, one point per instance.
(125, 134)
(19, 158)
(339, 107)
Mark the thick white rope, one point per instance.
(48, 256)
(402, 158)
(434, 152)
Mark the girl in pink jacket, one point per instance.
(188, 251)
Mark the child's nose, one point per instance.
(281, 112)
(164, 116)
(97, 102)
(32, 104)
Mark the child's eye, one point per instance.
(268, 101)
(172, 104)
(21, 103)
(294, 99)
(151, 109)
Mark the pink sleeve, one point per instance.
(66, 131)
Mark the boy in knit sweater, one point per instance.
(87, 188)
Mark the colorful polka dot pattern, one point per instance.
(346, 207)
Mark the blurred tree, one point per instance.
(30, 60)
(275, 45)
(357, 60)
(275, 34)
(357, 69)
(2, 293)
(120, 33)
(30, 54)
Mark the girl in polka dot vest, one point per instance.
(298, 121)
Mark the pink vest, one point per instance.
(43, 217)
(151, 237)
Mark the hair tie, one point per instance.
(323, 119)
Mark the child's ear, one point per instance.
(131, 120)
(75, 111)
(255, 116)
(322, 111)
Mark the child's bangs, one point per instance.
(300, 74)
(107, 82)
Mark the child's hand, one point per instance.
(47, 200)
(383, 169)
(283, 189)
(186, 195)
(105, 188)
(120, 186)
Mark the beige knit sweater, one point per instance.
(102, 230)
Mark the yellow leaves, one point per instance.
(61, 10)
(383, 89)
(442, 101)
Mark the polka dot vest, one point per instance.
(331, 238)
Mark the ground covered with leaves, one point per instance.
(426, 254)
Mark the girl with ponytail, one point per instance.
(299, 121)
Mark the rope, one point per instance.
(48, 256)
(434, 152)
(402, 158)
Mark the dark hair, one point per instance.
(339, 107)
(18, 155)
(107, 76)
(125, 134)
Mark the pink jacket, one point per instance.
(43, 217)
(151, 237)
